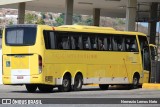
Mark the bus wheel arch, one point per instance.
(135, 80)
(78, 81)
(66, 82)
(31, 88)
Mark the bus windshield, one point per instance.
(20, 36)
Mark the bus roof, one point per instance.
(94, 29)
(86, 27)
(81, 28)
(21, 25)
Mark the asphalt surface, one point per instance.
(7, 91)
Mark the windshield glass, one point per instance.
(20, 36)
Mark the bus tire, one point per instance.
(103, 86)
(45, 88)
(78, 82)
(66, 84)
(31, 87)
(135, 83)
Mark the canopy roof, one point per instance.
(109, 8)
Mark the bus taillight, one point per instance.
(40, 64)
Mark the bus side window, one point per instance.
(52, 40)
(80, 43)
(76, 42)
(46, 35)
(131, 44)
(109, 43)
(153, 52)
(118, 43)
(73, 42)
(49, 39)
(114, 43)
(93, 40)
(106, 44)
(63, 41)
(101, 43)
(86, 42)
(58, 41)
(145, 52)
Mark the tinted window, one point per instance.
(145, 52)
(143, 42)
(131, 44)
(62, 40)
(76, 42)
(118, 43)
(86, 42)
(20, 36)
(93, 40)
(104, 42)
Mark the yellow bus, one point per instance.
(69, 56)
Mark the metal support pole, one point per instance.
(21, 12)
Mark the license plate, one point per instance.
(19, 77)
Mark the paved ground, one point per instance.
(7, 91)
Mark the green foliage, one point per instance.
(77, 19)
(43, 15)
(50, 16)
(30, 18)
(11, 22)
(119, 21)
(89, 21)
(62, 15)
(59, 20)
(40, 21)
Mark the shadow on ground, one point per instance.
(91, 88)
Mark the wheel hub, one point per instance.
(135, 81)
(65, 83)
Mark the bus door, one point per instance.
(154, 62)
(132, 60)
(145, 55)
(153, 49)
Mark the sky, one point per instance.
(146, 25)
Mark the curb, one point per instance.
(92, 85)
(151, 86)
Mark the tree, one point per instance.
(59, 20)
(30, 18)
(11, 22)
(89, 21)
(62, 15)
(40, 21)
(43, 15)
(77, 19)
(50, 16)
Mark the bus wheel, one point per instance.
(66, 84)
(45, 88)
(31, 87)
(135, 82)
(103, 86)
(78, 81)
